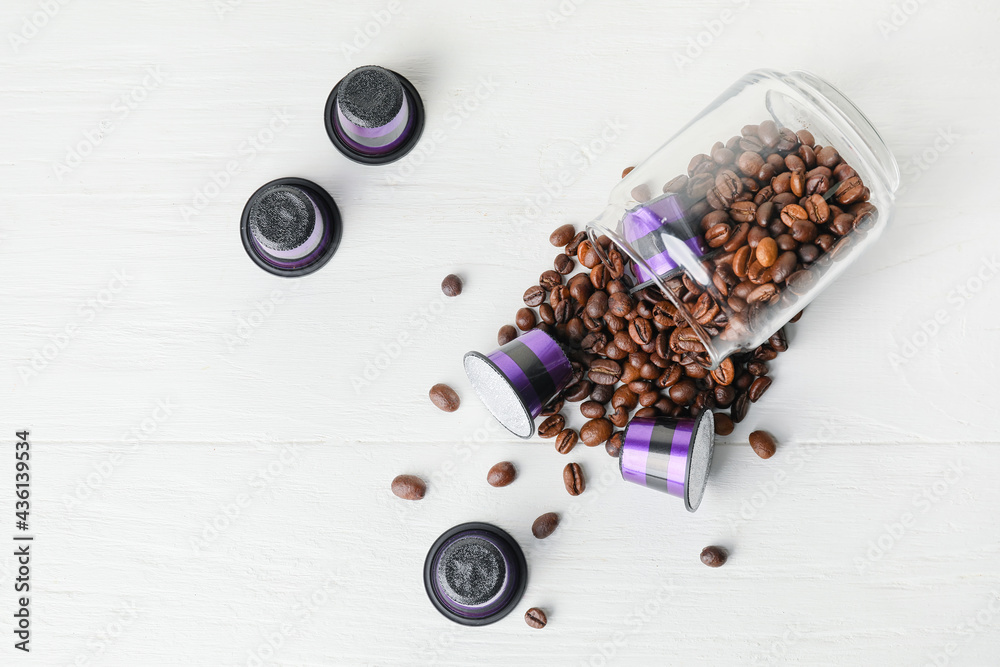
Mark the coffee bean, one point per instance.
(573, 246)
(615, 443)
(578, 391)
(723, 424)
(547, 314)
(534, 296)
(749, 162)
(620, 304)
(592, 409)
(451, 285)
(444, 397)
(506, 334)
(793, 213)
(552, 408)
(768, 133)
(683, 392)
(566, 440)
(551, 427)
(597, 304)
(563, 264)
(757, 389)
(409, 487)
(767, 251)
(550, 279)
(817, 208)
(763, 444)
(525, 319)
(562, 235)
(587, 256)
(501, 474)
(545, 525)
(784, 267)
(757, 368)
(717, 235)
(714, 556)
(828, 157)
(725, 373)
(778, 340)
(596, 431)
(535, 617)
(740, 407)
(602, 393)
(573, 479)
(605, 371)
(626, 171)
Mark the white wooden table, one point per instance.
(212, 446)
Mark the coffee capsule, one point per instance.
(662, 234)
(519, 379)
(290, 227)
(670, 455)
(475, 573)
(374, 116)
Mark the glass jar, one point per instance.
(732, 240)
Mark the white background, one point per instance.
(250, 521)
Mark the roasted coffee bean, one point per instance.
(573, 246)
(724, 395)
(723, 424)
(641, 331)
(624, 397)
(842, 224)
(562, 235)
(525, 319)
(550, 279)
(743, 211)
(553, 407)
(850, 191)
(535, 617)
(778, 341)
(451, 285)
(619, 417)
(740, 407)
(804, 231)
(545, 525)
(757, 368)
(587, 255)
(741, 262)
(645, 413)
(409, 487)
(573, 479)
(649, 398)
(501, 474)
(551, 427)
(767, 251)
(765, 214)
(566, 441)
(596, 431)
(578, 391)
(683, 393)
(717, 235)
(620, 304)
(763, 444)
(817, 209)
(714, 556)
(605, 371)
(797, 183)
(757, 389)
(768, 133)
(793, 213)
(547, 314)
(534, 296)
(784, 267)
(828, 157)
(563, 264)
(624, 342)
(444, 397)
(506, 334)
(592, 409)
(798, 316)
(725, 373)
(597, 304)
(614, 444)
(749, 162)
(762, 293)
(808, 253)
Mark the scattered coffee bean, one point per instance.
(714, 556)
(525, 319)
(501, 474)
(545, 525)
(535, 618)
(566, 441)
(562, 235)
(409, 487)
(573, 479)
(763, 444)
(615, 443)
(563, 264)
(551, 427)
(757, 389)
(596, 431)
(723, 424)
(506, 334)
(451, 285)
(592, 410)
(444, 397)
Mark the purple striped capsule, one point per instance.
(662, 235)
(519, 379)
(374, 115)
(670, 455)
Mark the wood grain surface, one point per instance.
(213, 446)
